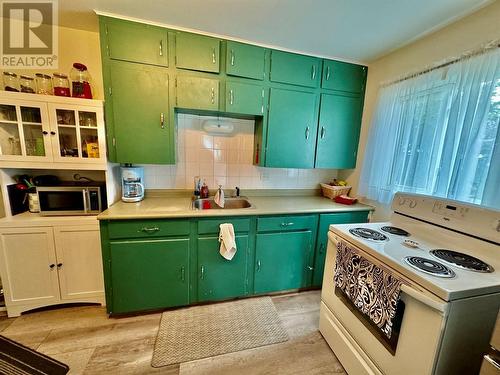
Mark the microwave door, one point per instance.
(62, 201)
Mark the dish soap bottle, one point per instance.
(204, 190)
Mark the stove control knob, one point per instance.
(401, 201)
(413, 203)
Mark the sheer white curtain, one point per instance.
(438, 134)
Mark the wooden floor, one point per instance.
(91, 343)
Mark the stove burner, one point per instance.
(395, 230)
(429, 266)
(368, 234)
(462, 260)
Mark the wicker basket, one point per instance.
(334, 191)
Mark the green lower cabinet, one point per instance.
(291, 134)
(138, 107)
(219, 278)
(197, 93)
(282, 261)
(245, 98)
(325, 221)
(149, 274)
(338, 131)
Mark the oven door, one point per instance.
(357, 346)
(67, 200)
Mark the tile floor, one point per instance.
(91, 343)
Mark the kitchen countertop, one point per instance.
(155, 207)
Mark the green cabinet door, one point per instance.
(219, 278)
(140, 114)
(295, 69)
(245, 60)
(325, 221)
(197, 93)
(136, 42)
(343, 76)
(292, 126)
(282, 260)
(197, 52)
(245, 98)
(338, 131)
(149, 274)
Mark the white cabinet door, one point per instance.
(28, 266)
(79, 261)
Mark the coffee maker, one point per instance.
(132, 183)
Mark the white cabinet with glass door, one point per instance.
(40, 129)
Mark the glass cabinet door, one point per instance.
(23, 131)
(89, 137)
(67, 133)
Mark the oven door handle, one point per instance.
(432, 303)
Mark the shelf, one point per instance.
(89, 127)
(66, 126)
(32, 123)
(8, 122)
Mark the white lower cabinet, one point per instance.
(43, 266)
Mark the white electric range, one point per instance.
(447, 255)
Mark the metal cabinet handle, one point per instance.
(327, 73)
(52, 266)
(263, 97)
(59, 265)
(323, 131)
(231, 97)
(321, 249)
(162, 120)
(310, 268)
(149, 230)
(202, 275)
(161, 47)
(232, 57)
(52, 133)
(45, 132)
(213, 96)
(183, 273)
(313, 73)
(213, 55)
(258, 265)
(286, 224)
(307, 132)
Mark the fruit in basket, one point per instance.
(334, 182)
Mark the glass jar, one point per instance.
(80, 78)
(61, 84)
(10, 82)
(44, 84)
(27, 84)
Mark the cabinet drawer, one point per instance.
(281, 223)
(147, 228)
(211, 226)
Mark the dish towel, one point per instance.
(219, 198)
(373, 290)
(227, 241)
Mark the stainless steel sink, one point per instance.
(230, 204)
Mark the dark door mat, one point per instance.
(19, 359)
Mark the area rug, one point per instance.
(20, 360)
(205, 331)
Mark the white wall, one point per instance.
(226, 161)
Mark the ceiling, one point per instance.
(352, 30)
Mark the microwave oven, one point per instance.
(71, 200)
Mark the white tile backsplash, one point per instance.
(225, 160)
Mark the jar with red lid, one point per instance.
(61, 84)
(80, 78)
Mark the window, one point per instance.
(438, 134)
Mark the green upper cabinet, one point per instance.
(282, 261)
(245, 98)
(343, 76)
(325, 221)
(245, 60)
(197, 52)
(136, 42)
(292, 126)
(295, 69)
(138, 107)
(219, 278)
(338, 131)
(149, 274)
(197, 93)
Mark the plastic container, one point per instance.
(10, 82)
(44, 84)
(80, 78)
(61, 84)
(27, 84)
